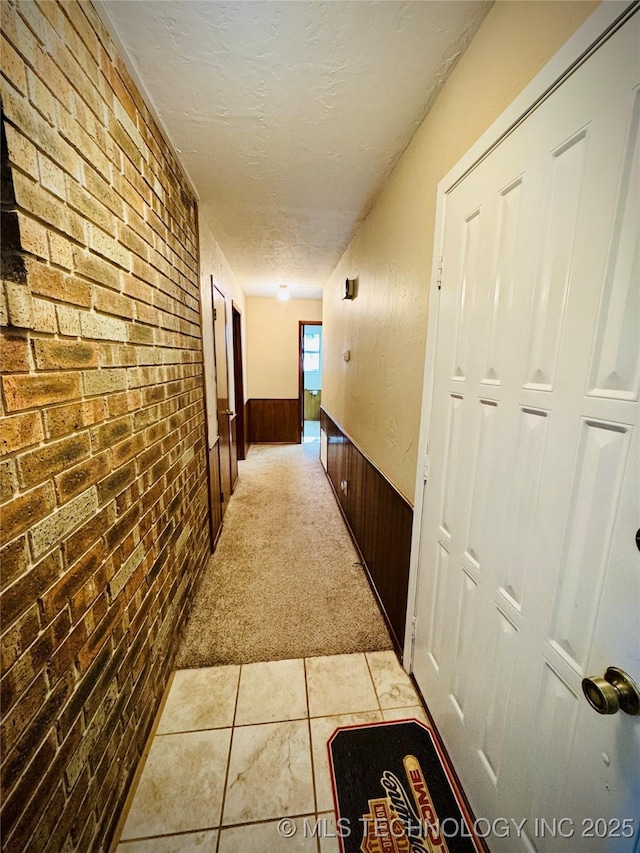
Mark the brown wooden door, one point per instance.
(222, 389)
(238, 382)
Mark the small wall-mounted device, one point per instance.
(346, 354)
(349, 288)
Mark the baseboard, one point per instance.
(379, 520)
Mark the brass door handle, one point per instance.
(616, 691)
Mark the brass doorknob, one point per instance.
(616, 691)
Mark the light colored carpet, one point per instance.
(282, 582)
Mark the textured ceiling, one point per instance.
(289, 116)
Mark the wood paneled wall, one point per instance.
(379, 519)
(274, 421)
(312, 403)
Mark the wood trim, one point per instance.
(204, 388)
(247, 445)
(222, 402)
(379, 519)
(324, 412)
(233, 450)
(274, 421)
(301, 325)
(238, 381)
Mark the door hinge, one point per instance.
(439, 278)
(425, 467)
(221, 497)
(215, 314)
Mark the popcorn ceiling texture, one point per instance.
(303, 107)
(104, 502)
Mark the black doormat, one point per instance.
(394, 793)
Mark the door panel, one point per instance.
(222, 386)
(529, 579)
(215, 491)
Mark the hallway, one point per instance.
(239, 746)
(285, 580)
(186, 186)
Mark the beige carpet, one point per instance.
(282, 582)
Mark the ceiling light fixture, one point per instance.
(283, 293)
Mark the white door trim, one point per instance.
(606, 19)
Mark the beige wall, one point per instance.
(213, 263)
(376, 396)
(272, 344)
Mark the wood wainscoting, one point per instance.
(379, 519)
(274, 421)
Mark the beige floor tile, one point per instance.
(265, 837)
(200, 699)
(329, 837)
(193, 842)
(321, 730)
(181, 785)
(411, 712)
(339, 684)
(271, 692)
(269, 773)
(392, 684)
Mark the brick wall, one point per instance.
(104, 523)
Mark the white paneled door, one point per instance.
(529, 573)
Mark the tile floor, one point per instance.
(237, 748)
(311, 431)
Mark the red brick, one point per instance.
(14, 354)
(74, 416)
(19, 597)
(18, 678)
(20, 431)
(8, 480)
(110, 302)
(12, 66)
(31, 392)
(99, 636)
(14, 561)
(38, 465)
(52, 355)
(50, 282)
(58, 596)
(19, 636)
(24, 511)
(108, 434)
(77, 479)
(85, 536)
(127, 449)
(85, 289)
(116, 482)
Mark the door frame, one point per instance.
(599, 27)
(224, 434)
(301, 325)
(238, 380)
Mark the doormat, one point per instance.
(394, 793)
